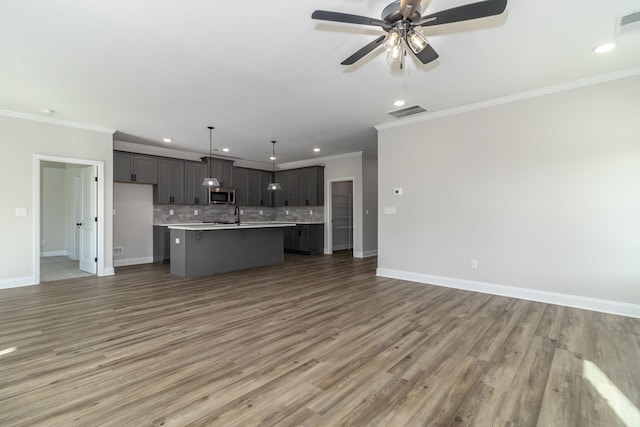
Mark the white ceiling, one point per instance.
(265, 70)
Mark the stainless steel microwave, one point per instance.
(222, 196)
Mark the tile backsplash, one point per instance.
(186, 213)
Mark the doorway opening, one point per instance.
(342, 216)
(69, 195)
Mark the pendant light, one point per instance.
(273, 185)
(210, 181)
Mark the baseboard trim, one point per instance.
(53, 253)
(108, 272)
(365, 254)
(132, 261)
(17, 282)
(575, 301)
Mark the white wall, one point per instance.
(21, 140)
(52, 205)
(544, 193)
(369, 206)
(133, 223)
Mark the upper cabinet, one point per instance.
(128, 167)
(171, 182)
(194, 192)
(300, 187)
(222, 170)
(251, 187)
(242, 186)
(312, 186)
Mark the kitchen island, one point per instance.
(204, 249)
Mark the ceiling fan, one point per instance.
(402, 21)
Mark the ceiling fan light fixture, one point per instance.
(393, 39)
(394, 55)
(417, 42)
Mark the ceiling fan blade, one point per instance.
(464, 13)
(427, 55)
(408, 7)
(325, 15)
(362, 52)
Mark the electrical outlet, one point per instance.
(474, 264)
(286, 212)
(177, 240)
(389, 210)
(241, 212)
(21, 211)
(170, 211)
(261, 212)
(310, 211)
(195, 212)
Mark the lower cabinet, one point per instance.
(161, 244)
(304, 239)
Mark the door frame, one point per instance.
(329, 212)
(37, 161)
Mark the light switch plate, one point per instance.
(389, 210)
(177, 240)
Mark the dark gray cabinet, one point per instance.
(242, 186)
(251, 187)
(171, 186)
(128, 167)
(300, 187)
(194, 192)
(161, 244)
(281, 197)
(222, 170)
(312, 186)
(265, 196)
(305, 239)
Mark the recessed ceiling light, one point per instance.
(225, 149)
(47, 111)
(605, 47)
(167, 140)
(398, 103)
(317, 150)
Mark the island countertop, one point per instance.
(242, 225)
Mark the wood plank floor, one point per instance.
(318, 341)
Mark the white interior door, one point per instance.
(88, 225)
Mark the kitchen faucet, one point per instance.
(236, 214)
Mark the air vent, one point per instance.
(629, 23)
(404, 112)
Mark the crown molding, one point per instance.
(316, 161)
(589, 81)
(51, 120)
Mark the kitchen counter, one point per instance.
(202, 249)
(242, 225)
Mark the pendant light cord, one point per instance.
(210, 148)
